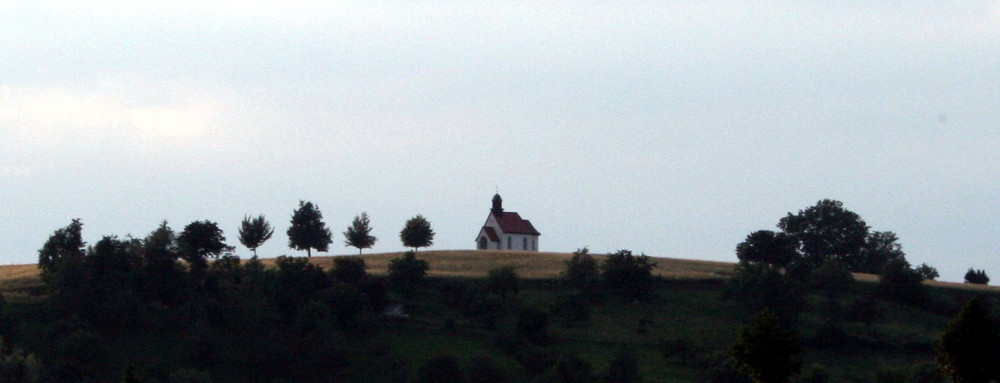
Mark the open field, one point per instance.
(477, 263)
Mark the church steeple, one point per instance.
(497, 204)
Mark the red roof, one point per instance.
(512, 223)
(491, 234)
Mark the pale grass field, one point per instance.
(477, 263)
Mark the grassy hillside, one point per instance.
(687, 305)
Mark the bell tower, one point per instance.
(497, 205)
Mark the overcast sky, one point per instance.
(673, 128)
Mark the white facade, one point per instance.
(506, 231)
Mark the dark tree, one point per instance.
(881, 247)
(970, 348)
(308, 231)
(359, 233)
(927, 272)
(62, 244)
(349, 270)
(582, 273)
(766, 352)
(775, 249)
(417, 233)
(200, 240)
(629, 274)
(503, 281)
(254, 232)
(900, 283)
(977, 277)
(160, 246)
(407, 271)
(828, 230)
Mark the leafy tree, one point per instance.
(199, 241)
(582, 273)
(927, 272)
(503, 281)
(970, 348)
(359, 233)
(407, 271)
(160, 246)
(881, 247)
(900, 283)
(64, 243)
(828, 230)
(307, 230)
(349, 270)
(417, 233)
(623, 368)
(629, 274)
(254, 232)
(977, 277)
(775, 249)
(766, 352)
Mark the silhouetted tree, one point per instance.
(349, 270)
(64, 243)
(881, 247)
(160, 246)
(254, 232)
(927, 272)
(359, 233)
(200, 240)
(900, 283)
(970, 348)
(307, 230)
(828, 230)
(833, 280)
(766, 352)
(977, 277)
(417, 233)
(765, 246)
(629, 274)
(407, 271)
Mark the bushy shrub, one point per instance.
(572, 310)
(630, 275)
(407, 271)
(757, 287)
(582, 272)
(900, 283)
(977, 277)
(349, 270)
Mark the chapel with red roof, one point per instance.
(506, 230)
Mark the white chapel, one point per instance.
(506, 231)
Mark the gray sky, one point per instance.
(669, 128)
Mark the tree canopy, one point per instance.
(200, 240)
(774, 249)
(766, 352)
(969, 349)
(359, 233)
(308, 231)
(828, 230)
(417, 233)
(254, 232)
(64, 243)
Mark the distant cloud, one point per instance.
(38, 115)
